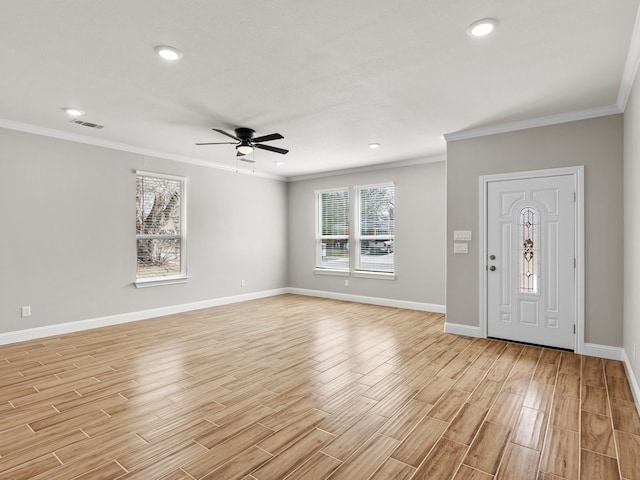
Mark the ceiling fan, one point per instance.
(246, 143)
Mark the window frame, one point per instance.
(359, 236)
(319, 268)
(182, 277)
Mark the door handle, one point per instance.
(492, 268)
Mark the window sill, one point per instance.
(378, 275)
(159, 281)
(328, 271)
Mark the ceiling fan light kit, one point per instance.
(244, 149)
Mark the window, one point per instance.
(160, 228)
(332, 231)
(376, 228)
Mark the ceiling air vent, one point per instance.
(87, 124)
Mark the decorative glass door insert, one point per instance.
(529, 254)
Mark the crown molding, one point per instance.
(369, 168)
(631, 66)
(98, 142)
(533, 122)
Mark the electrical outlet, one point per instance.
(243, 283)
(26, 311)
(346, 283)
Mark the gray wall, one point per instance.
(596, 144)
(632, 230)
(420, 235)
(67, 241)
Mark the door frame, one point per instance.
(578, 178)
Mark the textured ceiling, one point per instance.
(330, 76)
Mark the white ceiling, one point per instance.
(331, 76)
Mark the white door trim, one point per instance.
(578, 175)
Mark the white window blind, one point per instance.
(332, 234)
(376, 228)
(160, 226)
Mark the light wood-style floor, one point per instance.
(294, 387)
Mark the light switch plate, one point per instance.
(464, 235)
(460, 248)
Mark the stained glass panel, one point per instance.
(529, 252)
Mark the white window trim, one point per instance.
(331, 271)
(376, 275)
(358, 237)
(182, 277)
(158, 281)
(354, 250)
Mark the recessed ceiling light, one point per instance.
(168, 53)
(74, 112)
(482, 27)
(279, 162)
(374, 145)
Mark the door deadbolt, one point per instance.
(492, 257)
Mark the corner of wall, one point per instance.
(631, 377)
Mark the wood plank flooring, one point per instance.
(294, 387)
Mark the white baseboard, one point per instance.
(465, 330)
(77, 326)
(633, 383)
(602, 351)
(70, 327)
(385, 302)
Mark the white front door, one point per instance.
(531, 287)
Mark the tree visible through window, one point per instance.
(376, 233)
(160, 225)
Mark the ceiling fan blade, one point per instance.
(217, 143)
(266, 138)
(271, 149)
(225, 133)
